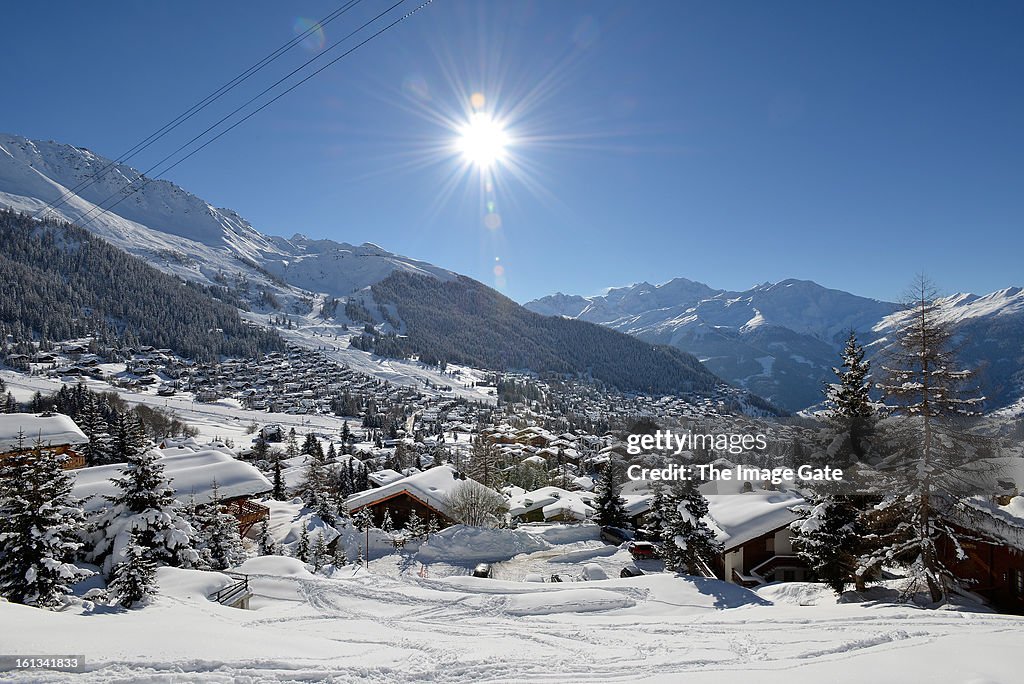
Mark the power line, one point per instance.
(199, 106)
(87, 217)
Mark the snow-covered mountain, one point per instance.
(181, 233)
(780, 340)
(303, 279)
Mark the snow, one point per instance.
(738, 518)
(191, 475)
(464, 545)
(54, 429)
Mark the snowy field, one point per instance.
(371, 627)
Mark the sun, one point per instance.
(482, 141)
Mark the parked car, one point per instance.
(615, 535)
(482, 570)
(534, 577)
(642, 549)
(593, 571)
(630, 571)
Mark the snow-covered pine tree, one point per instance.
(145, 507)
(688, 543)
(387, 525)
(340, 559)
(302, 548)
(267, 545)
(318, 553)
(433, 526)
(363, 519)
(610, 506)
(827, 539)
(40, 525)
(133, 580)
(415, 528)
(925, 389)
(222, 546)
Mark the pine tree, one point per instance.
(221, 546)
(145, 508)
(279, 492)
(40, 526)
(433, 526)
(926, 390)
(363, 520)
(828, 538)
(340, 559)
(302, 549)
(688, 543)
(267, 545)
(318, 554)
(94, 425)
(610, 506)
(415, 527)
(128, 439)
(387, 526)
(849, 401)
(134, 579)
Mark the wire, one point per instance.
(147, 181)
(199, 106)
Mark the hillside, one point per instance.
(465, 322)
(57, 282)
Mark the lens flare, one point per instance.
(314, 41)
(482, 141)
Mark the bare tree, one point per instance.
(473, 504)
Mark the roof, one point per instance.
(54, 429)
(738, 518)
(430, 486)
(552, 501)
(191, 474)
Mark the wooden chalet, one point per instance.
(19, 432)
(424, 492)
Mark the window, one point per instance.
(769, 544)
(789, 575)
(1017, 582)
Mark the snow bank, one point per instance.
(278, 566)
(798, 594)
(464, 545)
(562, 534)
(567, 601)
(194, 585)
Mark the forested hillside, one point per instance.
(58, 282)
(465, 322)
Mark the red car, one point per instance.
(642, 549)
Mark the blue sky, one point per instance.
(854, 144)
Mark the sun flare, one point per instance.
(482, 141)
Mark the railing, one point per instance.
(232, 592)
(248, 513)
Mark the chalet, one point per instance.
(425, 493)
(192, 474)
(551, 504)
(57, 432)
(753, 528)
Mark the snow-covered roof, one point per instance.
(430, 486)
(738, 518)
(385, 476)
(552, 501)
(191, 474)
(54, 429)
